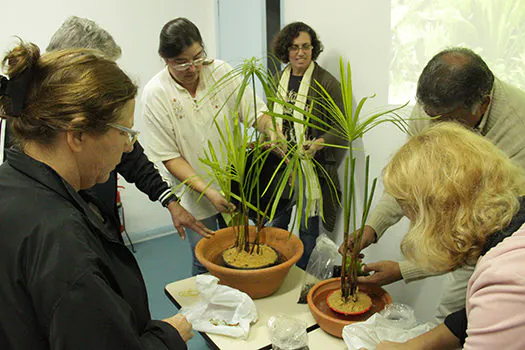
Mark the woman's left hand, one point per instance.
(311, 147)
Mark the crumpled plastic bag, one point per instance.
(320, 266)
(396, 322)
(287, 333)
(222, 309)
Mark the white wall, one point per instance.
(241, 32)
(359, 31)
(135, 26)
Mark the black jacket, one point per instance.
(66, 281)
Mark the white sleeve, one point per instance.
(246, 106)
(161, 144)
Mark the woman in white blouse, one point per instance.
(180, 121)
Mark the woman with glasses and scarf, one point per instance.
(180, 107)
(298, 46)
(67, 281)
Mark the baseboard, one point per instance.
(138, 237)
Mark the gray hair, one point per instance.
(455, 77)
(77, 32)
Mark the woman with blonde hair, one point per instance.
(67, 281)
(463, 196)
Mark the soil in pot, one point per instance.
(266, 257)
(257, 283)
(333, 322)
(378, 303)
(337, 303)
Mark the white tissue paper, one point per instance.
(222, 309)
(395, 323)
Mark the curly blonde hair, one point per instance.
(457, 188)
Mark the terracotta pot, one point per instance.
(257, 283)
(332, 322)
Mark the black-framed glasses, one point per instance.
(184, 66)
(133, 135)
(304, 47)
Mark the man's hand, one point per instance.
(181, 324)
(311, 147)
(219, 202)
(382, 272)
(182, 218)
(369, 237)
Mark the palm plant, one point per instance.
(239, 163)
(348, 125)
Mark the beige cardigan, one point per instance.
(503, 124)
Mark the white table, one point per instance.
(319, 339)
(283, 301)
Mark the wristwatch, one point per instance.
(171, 198)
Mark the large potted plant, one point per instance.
(243, 159)
(339, 301)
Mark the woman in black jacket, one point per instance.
(67, 281)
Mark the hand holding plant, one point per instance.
(219, 202)
(277, 138)
(311, 147)
(384, 272)
(369, 237)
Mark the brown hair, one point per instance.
(68, 90)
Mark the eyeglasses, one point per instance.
(132, 134)
(304, 47)
(183, 66)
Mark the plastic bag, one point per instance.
(396, 322)
(222, 309)
(320, 266)
(399, 315)
(287, 333)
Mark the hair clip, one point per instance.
(16, 89)
(3, 85)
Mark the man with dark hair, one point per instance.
(456, 84)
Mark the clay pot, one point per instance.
(332, 322)
(257, 283)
